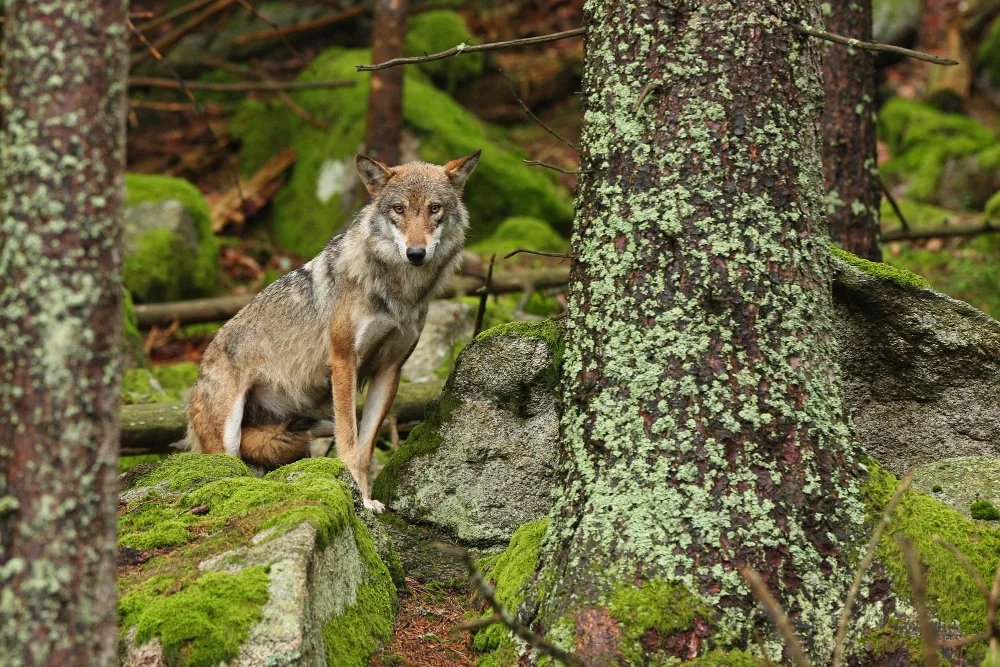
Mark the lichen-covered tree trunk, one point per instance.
(849, 159)
(703, 428)
(61, 158)
(385, 93)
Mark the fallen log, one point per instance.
(219, 309)
(251, 194)
(154, 428)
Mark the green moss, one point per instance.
(662, 607)
(165, 534)
(204, 623)
(508, 572)
(992, 207)
(937, 488)
(175, 377)
(952, 595)
(141, 386)
(164, 268)
(922, 140)
(983, 510)
(133, 351)
(321, 194)
(423, 440)
(126, 463)
(887, 272)
(198, 330)
(353, 636)
(724, 659)
(521, 232)
(988, 54)
(440, 30)
(891, 641)
(183, 472)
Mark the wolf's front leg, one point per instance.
(344, 377)
(380, 397)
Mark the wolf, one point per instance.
(351, 316)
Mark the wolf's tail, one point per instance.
(273, 445)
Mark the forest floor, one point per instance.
(425, 634)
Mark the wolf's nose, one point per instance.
(416, 254)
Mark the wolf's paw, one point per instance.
(375, 506)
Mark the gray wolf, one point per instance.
(350, 316)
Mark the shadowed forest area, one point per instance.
(656, 417)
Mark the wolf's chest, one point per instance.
(385, 340)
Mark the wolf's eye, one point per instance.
(398, 208)
(435, 208)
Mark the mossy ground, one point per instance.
(203, 618)
(161, 384)
(440, 30)
(320, 197)
(163, 269)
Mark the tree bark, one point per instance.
(703, 427)
(385, 95)
(849, 158)
(62, 155)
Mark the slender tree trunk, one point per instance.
(704, 427)
(61, 159)
(385, 95)
(849, 158)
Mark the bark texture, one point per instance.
(704, 427)
(60, 318)
(849, 161)
(385, 94)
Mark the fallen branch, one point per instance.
(563, 255)
(154, 428)
(219, 309)
(462, 48)
(870, 46)
(252, 194)
(535, 641)
(300, 27)
(171, 15)
(948, 231)
(182, 107)
(234, 86)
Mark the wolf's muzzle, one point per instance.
(416, 254)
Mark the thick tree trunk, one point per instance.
(704, 427)
(60, 318)
(385, 95)
(849, 159)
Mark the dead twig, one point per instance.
(777, 615)
(964, 641)
(274, 26)
(919, 588)
(870, 46)
(564, 255)
(536, 163)
(480, 623)
(532, 116)
(866, 561)
(537, 642)
(948, 231)
(164, 43)
(476, 48)
(183, 107)
(234, 86)
(300, 27)
(484, 297)
(393, 431)
(991, 618)
(646, 90)
(893, 204)
(173, 14)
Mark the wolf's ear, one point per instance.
(458, 170)
(373, 173)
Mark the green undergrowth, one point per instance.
(322, 192)
(440, 30)
(923, 139)
(161, 384)
(882, 271)
(163, 268)
(952, 595)
(521, 232)
(212, 504)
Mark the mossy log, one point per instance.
(153, 428)
(222, 308)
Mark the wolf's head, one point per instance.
(417, 204)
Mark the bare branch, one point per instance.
(777, 615)
(536, 163)
(301, 27)
(532, 116)
(483, 297)
(274, 26)
(537, 642)
(948, 231)
(564, 255)
(480, 623)
(171, 15)
(919, 587)
(462, 48)
(234, 86)
(893, 204)
(156, 105)
(870, 46)
(964, 641)
(167, 41)
(852, 594)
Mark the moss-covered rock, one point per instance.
(945, 158)
(133, 354)
(521, 232)
(227, 567)
(321, 195)
(482, 463)
(159, 384)
(961, 482)
(440, 30)
(171, 252)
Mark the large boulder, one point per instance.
(920, 373)
(448, 323)
(170, 250)
(217, 566)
